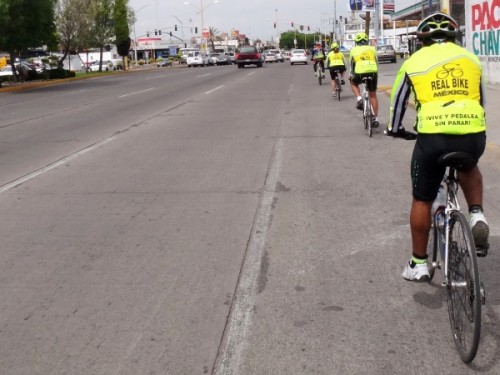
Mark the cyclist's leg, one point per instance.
(426, 177)
(471, 182)
(355, 82)
(315, 66)
(332, 83)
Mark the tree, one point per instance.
(26, 24)
(213, 35)
(73, 21)
(103, 25)
(122, 31)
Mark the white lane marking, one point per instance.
(51, 166)
(203, 75)
(249, 74)
(136, 92)
(240, 316)
(211, 91)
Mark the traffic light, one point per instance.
(196, 30)
(292, 23)
(308, 28)
(147, 34)
(170, 33)
(156, 32)
(301, 27)
(159, 32)
(175, 27)
(275, 25)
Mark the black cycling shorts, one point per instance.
(371, 84)
(426, 174)
(340, 68)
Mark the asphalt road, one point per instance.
(216, 220)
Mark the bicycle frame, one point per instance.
(451, 205)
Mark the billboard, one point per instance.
(482, 30)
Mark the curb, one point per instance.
(36, 84)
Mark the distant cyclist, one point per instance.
(446, 83)
(364, 63)
(335, 61)
(318, 56)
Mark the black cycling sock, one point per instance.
(474, 207)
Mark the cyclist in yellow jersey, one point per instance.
(446, 83)
(335, 60)
(364, 63)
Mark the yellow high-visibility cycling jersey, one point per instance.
(446, 83)
(363, 59)
(335, 59)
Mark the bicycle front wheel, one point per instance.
(463, 287)
(339, 89)
(320, 76)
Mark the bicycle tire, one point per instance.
(339, 88)
(320, 76)
(463, 288)
(368, 110)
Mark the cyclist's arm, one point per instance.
(399, 100)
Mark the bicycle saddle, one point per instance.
(457, 160)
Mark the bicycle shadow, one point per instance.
(488, 356)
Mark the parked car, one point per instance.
(298, 56)
(386, 53)
(197, 58)
(223, 59)
(270, 57)
(403, 51)
(248, 55)
(213, 58)
(164, 63)
(106, 66)
(232, 56)
(6, 71)
(279, 55)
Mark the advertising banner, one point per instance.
(483, 34)
(388, 6)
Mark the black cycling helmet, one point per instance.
(437, 28)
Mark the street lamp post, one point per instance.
(201, 10)
(135, 36)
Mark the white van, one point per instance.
(197, 58)
(184, 53)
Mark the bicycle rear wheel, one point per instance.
(339, 88)
(463, 287)
(320, 76)
(368, 117)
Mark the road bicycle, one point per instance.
(320, 72)
(338, 87)
(451, 248)
(367, 107)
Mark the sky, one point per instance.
(254, 18)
